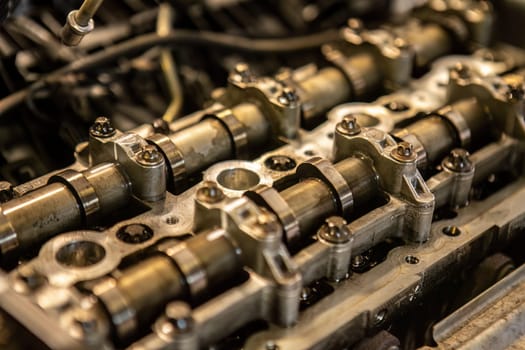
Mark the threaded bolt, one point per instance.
(242, 72)
(210, 193)
(458, 160)
(287, 96)
(102, 128)
(404, 152)
(149, 155)
(349, 125)
(515, 92)
(177, 319)
(334, 230)
(462, 71)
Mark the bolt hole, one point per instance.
(330, 135)
(172, 220)
(134, 233)
(238, 179)
(309, 152)
(411, 259)
(452, 231)
(280, 163)
(80, 254)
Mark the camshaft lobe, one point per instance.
(312, 200)
(188, 270)
(60, 206)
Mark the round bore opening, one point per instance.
(80, 254)
(452, 231)
(238, 179)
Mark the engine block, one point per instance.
(370, 201)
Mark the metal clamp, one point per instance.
(83, 191)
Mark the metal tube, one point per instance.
(87, 11)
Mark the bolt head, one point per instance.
(287, 96)
(349, 125)
(458, 161)
(177, 318)
(242, 72)
(134, 233)
(209, 193)
(32, 278)
(404, 152)
(334, 230)
(461, 71)
(280, 163)
(102, 128)
(515, 92)
(149, 155)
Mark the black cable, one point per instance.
(173, 40)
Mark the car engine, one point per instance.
(262, 175)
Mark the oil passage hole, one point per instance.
(80, 254)
(238, 179)
(452, 231)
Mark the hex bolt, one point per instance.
(30, 276)
(134, 233)
(404, 152)
(349, 125)
(210, 193)
(515, 92)
(280, 163)
(267, 222)
(401, 43)
(85, 324)
(149, 155)
(404, 149)
(242, 71)
(334, 230)
(287, 96)
(458, 161)
(336, 235)
(177, 318)
(462, 71)
(102, 128)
